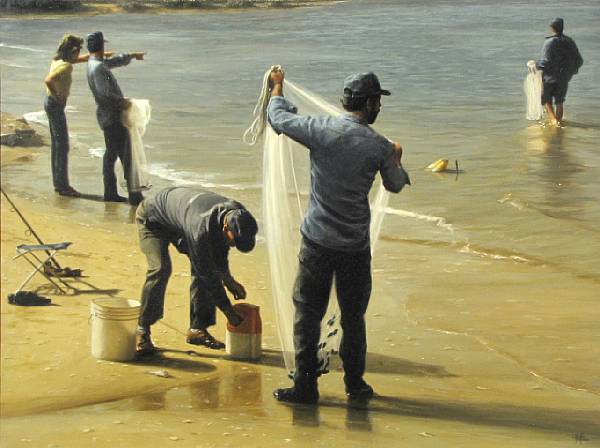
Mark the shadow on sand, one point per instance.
(376, 363)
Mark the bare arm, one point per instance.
(276, 80)
(50, 83)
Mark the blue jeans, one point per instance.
(59, 153)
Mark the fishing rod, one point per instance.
(30, 229)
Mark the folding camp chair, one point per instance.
(28, 252)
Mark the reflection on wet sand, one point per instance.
(376, 363)
(236, 388)
(358, 417)
(305, 415)
(551, 160)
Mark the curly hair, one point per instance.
(67, 46)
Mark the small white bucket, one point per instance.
(114, 324)
(245, 340)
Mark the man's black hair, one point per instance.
(353, 103)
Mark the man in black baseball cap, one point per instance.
(203, 225)
(95, 42)
(560, 61)
(345, 155)
(110, 104)
(243, 227)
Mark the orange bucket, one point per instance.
(245, 340)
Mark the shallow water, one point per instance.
(506, 253)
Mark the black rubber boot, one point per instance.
(296, 395)
(135, 198)
(359, 390)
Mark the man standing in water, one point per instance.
(560, 61)
(346, 154)
(110, 103)
(202, 225)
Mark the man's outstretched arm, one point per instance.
(123, 59)
(282, 114)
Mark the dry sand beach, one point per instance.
(435, 389)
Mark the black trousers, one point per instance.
(311, 296)
(116, 138)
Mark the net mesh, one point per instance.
(533, 93)
(135, 119)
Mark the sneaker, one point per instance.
(297, 395)
(359, 391)
(144, 345)
(204, 338)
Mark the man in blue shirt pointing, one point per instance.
(345, 154)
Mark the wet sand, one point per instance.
(437, 385)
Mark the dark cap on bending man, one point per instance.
(244, 228)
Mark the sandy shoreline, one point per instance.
(59, 378)
(437, 388)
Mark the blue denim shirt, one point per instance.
(560, 59)
(104, 86)
(345, 155)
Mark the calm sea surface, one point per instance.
(529, 197)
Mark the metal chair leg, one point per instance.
(41, 271)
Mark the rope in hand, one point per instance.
(257, 128)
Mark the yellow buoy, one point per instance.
(438, 166)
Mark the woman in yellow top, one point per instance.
(58, 85)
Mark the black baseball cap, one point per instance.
(558, 25)
(244, 228)
(363, 85)
(95, 41)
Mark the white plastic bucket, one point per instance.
(114, 323)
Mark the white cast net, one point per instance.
(286, 187)
(135, 119)
(533, 93)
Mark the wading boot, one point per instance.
(135, 198)
(144, 345)
(359, 390)
(305, 392)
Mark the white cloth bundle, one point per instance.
(135, 119)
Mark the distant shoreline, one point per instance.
(20, 8)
